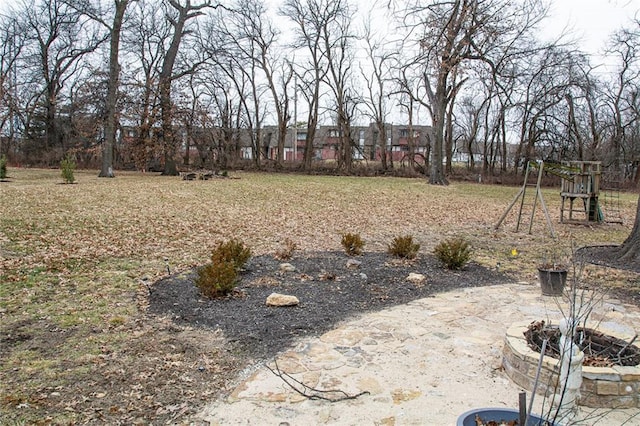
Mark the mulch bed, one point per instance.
(329, 293)
(607, 256)
(328, 290)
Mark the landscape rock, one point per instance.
(287, 267)
(353, 264)
(416, 278)
(277, 299)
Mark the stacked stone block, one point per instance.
(602, 387)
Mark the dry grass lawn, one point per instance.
(76, 345)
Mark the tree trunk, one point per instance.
(166, 78)
(167, 137)
(282, 135)
(308, 147)
(382, 142)
(436, 175)
(112, 92)
(186, 159)
(312, 122)
(51, 137)
(573, 127)
(346, 143)
(630, 248)
(449, 138)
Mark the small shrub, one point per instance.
(404, 247)
(117, 321)
(217, 279)
(453, 253)
(352, 244)
(220, 277)
(286, 251)
(232, 251)
(67, 167)
(3, 167)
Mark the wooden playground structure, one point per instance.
(580, 189)
(581, 183)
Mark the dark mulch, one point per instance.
(329, 292)
(607, 256)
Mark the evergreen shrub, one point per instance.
(453, 253)
(220, 277)
(3, 167)
(404, 247)
(67, 167)
(352, 244)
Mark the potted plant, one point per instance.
(497, 416)
(552, 274)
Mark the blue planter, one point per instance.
(497, 415)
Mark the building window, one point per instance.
(246, 153)
(333, 133)
(404, 133)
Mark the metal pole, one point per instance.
(522, 408)
(537, 379)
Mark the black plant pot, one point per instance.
(497, 415)
(552, 281)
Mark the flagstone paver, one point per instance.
(422, 363)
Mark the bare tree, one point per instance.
(178, 19)
(588, 116)
(378, 83)
(336, 45)
(450, 34)
(626, 43)
(544, 81)
(474, 123)
(625, 47)
(257, 38)
(248, 55)
(12, 41)
(446, 29)
(593, 113)
(60, 38)
(188, 112)
(94, 11)
(308, 18)
(144, 48)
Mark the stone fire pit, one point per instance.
(602, 387)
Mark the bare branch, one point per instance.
(333, 395)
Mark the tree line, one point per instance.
(144, 83)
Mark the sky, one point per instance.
(591, 21)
